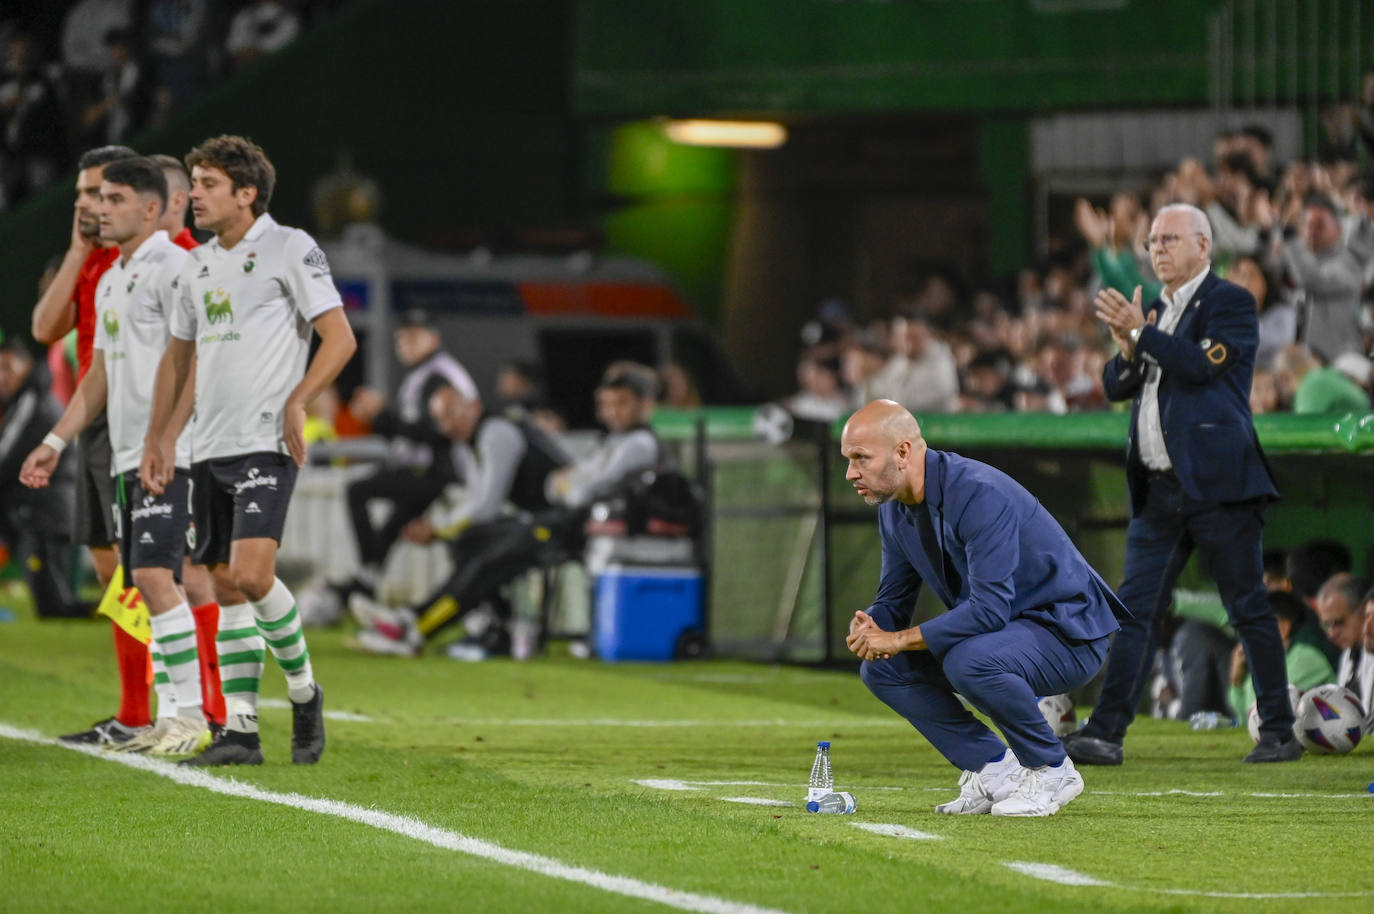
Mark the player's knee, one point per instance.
(253, 583)
(151, 579)
(877, 675)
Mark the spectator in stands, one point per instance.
(35, 523)
(124, 94)
(920, 374)
(1278, 319)
(1264, 393)
(1315, 388)
(861, 361)
(987, 383)
(419, 467)
(1329, 278)
(820, 397)
(1356, 669)
(679, 389)
(1116, 240)
(32, 135)
(1276, 570)
(261, 27)
(1360, 236)
(85, 53)
(182, 52)
(1343, 606)
(1233, 226)
(1355, 367)
(520, 391)
(1307, 666)
(552, 494)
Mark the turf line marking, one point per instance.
(896, 831)
(330, 715)
(1064, 876)
(409, 828)
(678, 784)
(757, 801)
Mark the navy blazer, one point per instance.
(995, 555)
(1204, 397)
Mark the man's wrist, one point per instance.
(1134, 334)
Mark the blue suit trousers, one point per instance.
(1000, 673)
(1159, 541)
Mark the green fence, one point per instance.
(789, 539)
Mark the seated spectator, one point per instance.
(860, 362)
(1278, 319)
(520, 391)
(987, 383)
(1316, 388)
(1200, 652)
(1329, 277)
(124, 95)
(182, 52)
(1344, 607)
(552, 495)
(419, 467)
(679, 389)
(920, 374)
(1264, 393)
(1310, 566)
(1355, 367)
(35, 523)
(261, 27)
(820, 396)
(1306, 666)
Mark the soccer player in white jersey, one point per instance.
(247, 303)
(134, 301)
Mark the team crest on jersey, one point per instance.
(130, 287)
(250, 262)
(111, 326)
(316, 260)
(218, 310)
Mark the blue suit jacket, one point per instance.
(1204, 397)
(996, 555)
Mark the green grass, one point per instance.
(457, 746)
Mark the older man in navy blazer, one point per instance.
(1027, 615)
(1196, 474)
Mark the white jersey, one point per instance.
(133, 307)
(248, 310)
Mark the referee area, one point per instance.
(563, 785)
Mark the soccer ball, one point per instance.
(1059, 713)
(1329, 719)
(319, 605)
(1253, 718)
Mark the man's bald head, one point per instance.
(886, 453)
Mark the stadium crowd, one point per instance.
(1298, 235)
(83, 73)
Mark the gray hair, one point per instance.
(1351, 589)
(1195, 215)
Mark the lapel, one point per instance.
(935, 504)
(1191, 309)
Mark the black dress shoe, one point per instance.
(1271, 750)
(1089, 750)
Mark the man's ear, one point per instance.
(902, 453)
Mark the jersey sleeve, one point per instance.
(184, 315)
(169, 282)
(308, 278)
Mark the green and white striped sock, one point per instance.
(162, 686)
(241, 656)
(280, 625)
(174, 638)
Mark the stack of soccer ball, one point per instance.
(1329, 719)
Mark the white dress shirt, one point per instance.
(1149, 430)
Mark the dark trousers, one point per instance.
(1159, 542)
(490, 555)
(1201, 656)
(1000, 673)
(410, 493)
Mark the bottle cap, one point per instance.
(823, 744)
(812, 806)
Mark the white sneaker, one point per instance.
(395, 639)
(368, 612)
(182, 736)
(979, 790)
(145, 739)
(1043, 791)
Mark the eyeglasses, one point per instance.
(1166, 242)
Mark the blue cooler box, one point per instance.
(642, 611)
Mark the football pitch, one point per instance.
(565, 785)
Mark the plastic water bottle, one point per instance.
(1209, 720)
(841, 803)
(822, 781)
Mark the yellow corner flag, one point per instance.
(126, 608)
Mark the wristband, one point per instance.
(54, 442)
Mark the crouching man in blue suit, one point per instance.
(1027, 615)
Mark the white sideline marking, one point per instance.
(331, 715)
(1051, 873)
(1064, 876)
(713, 724)
(678, 784)
(410, 828)
(896, 831)
(757, 801)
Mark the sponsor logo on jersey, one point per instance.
(250, 262)
(111, 326)
(254, 481)
(217, 307)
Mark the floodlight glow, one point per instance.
(744, 134)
